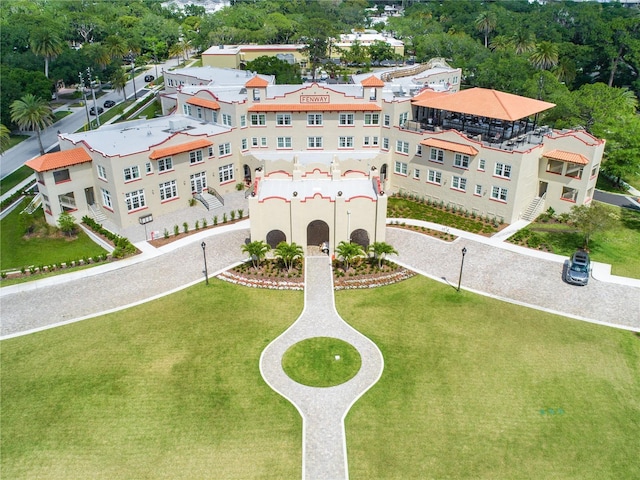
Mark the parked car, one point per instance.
(149, 78)
(109, 104)
(578, 268)
(92, 110)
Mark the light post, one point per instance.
(464, 252)
(349, 225)
(84, 97)
(204, 254)
(93, 94)
(133, 74)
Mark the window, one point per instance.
(131, 173)
(283, 119)
(402, 147)
(385, 143)
(245, 144)
(366, 141)
(263, 141)
(243, 121)
(135, 200)
(60, 176)
(434, 176)
(372, 119)
(458, 183)
(461, 161)
(345, 142)
(258, 119)
(148, 168)
(102, 172)
(210, 151)
(186, 109)
(481, 164)
(419, 150)
(255, 142)
(214, 117)
(195, 156)
(199, 112)
(226, 119)
(224, 149)
(400, 167)
(569, 194)
(386, 120)
(499, 193)
(375, 141)
(314, 119)
(225, 173)
(346, 119)
(284, 142)
(402, 119)
(314, 142)
(478, 190)
(594, 170)
(503, 170)
(436, 155)
(416, 174)
(168, 190)
(106, 198)
(165, 164)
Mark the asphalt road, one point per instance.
(617, 199)
(28, 149)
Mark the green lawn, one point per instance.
(15, 139)
(474, 388)
(13, 179)
(172, 389)
(150, 111)
(17, 251)
(617, 246)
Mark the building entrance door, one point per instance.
(198, 182)
(88, 194)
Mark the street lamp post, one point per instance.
(133, 74)
(204, 254)
(464, 252)
(84, 97)
(93, 94)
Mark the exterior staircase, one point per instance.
(33, 205)
(97, 213)
(534, 208)
(210, 202)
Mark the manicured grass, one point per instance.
(15, 139)
(169, 389)
(321, 362)
(60, 114)
(475, 388)
(13, 179)
(17, 251)
(398, 207)
(617, 246)
(150, 111)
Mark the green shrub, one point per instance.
(166, 233)
(240, 212)
(215, 220)
(204, 223)
(176, 230)
(224, 217)
(197, 225)
(233, 215)
(185, 227)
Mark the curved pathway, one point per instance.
(324, 450)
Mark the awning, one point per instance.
(315, 107)
(201, 102)
(176, 149)
(451, 146)
(53, 161)
(568, 157)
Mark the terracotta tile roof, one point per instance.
(566, 157)
(183, 147)
(201, 102)
(53, 161)
(428, 93)
(486, 103)
(451, 146)
(256, 82)
(372, 81)
(315, 107)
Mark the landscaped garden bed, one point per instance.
(443, 234)
(412, 206)
(184, 230)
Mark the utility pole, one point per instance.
(84, 97)
(93, 94)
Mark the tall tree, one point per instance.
(46, 44)
(116, 46)
(317, 40)
(544, 57)
(31, 112)
(119, 81)
(523, 42)
(589, 219)
(486, 23)
(4, 138)
(622, 151)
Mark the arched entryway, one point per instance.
(274, 237)
(317, 233)
(383, 172)
(247, 174)
(361, 237)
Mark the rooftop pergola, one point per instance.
(494, 115)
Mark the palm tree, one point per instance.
(522, 42)
(256, 250)
(380, 249)
(4, 138)
(288, 252)
(545, 55)
(116, 46)
(119, 81)
(176, 50)
(486, 22)
(46, 44)
(500, 43)
(31, 112)
(348, 252)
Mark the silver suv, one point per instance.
(578, 269)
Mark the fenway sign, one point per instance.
(314, 98)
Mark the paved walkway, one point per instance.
(322, 409)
